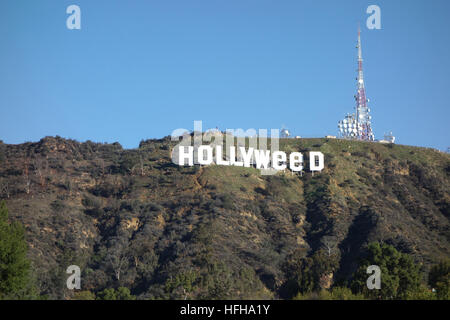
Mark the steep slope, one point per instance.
(132, 218)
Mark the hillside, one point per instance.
(132, 218)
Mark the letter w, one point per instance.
(262, 158)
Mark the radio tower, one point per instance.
(358, 126)
(363, 119)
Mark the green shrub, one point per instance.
(15, 280)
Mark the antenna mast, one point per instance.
(358, 125)
(363, 119)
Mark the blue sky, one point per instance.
(140, 69)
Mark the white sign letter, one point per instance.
(316, 156)
(201, 155)
(246, 156)
(262, 158)
(183, 155)
(296, 161)
(277, 157)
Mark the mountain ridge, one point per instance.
(131, 217)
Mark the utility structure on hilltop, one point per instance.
(285, 133)
(358, 125)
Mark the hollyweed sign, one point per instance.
(236, 147)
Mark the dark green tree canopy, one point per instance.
(439, 279)
(14, 265)
(400, 275)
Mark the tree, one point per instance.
(41, 167)
(83, 295)
(400, 276)
(329, 246)
(124, 293)
(308, 274)
(337, 293)
(422, 293)
(4, 188)
(107, 294)
(26, 177)
(183, 282)
(121, 293)
(439, 279)
(117, 256)
(14, 265)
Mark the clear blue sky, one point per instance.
(140, 69)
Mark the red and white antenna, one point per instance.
(363, 118)
(359, 125)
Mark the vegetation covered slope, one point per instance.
(131, 218)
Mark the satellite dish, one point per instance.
(285, 132)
